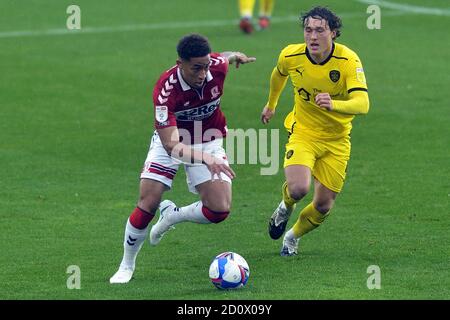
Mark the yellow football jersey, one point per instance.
(338, 75)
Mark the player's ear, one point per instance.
(333, 34)
(181, 63)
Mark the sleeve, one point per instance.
(277, 84)
(354, 75)
(164, 107)
(278, 81)
(281, 65)
(358, 103)
(220, 63)
(358, 98)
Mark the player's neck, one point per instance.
(193, 86)
(319, 58)
(324, 56)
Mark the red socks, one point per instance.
(214, 216)
(140, 218)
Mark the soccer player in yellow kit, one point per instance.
(330, 89)
(246, 11)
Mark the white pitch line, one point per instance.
(160, 26)
(137, 27)
(133, 27)
(408, 7)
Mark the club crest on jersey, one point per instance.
(335, 75)
(215, 92)
(161, 113)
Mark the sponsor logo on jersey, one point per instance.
(198, 113)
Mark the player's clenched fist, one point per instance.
(323, 100)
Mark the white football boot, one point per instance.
(123, 275)
(167, 210)
(290, 246)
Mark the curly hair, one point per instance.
(193, 46)
(334, 22)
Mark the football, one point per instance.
(229, 270)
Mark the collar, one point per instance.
(324, 61)
(184, 84)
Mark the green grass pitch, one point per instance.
(76, 119)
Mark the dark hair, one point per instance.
(193, 46)
(334, 22)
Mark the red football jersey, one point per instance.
(193, 111)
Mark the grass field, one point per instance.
(76, 119)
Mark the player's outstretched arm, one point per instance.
(238, 57)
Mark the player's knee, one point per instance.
(148, 203)
(323, 206)
(223, 207)
(297, 191)
(215, 216)
(218, 205)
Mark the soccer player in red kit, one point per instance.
(190, 127)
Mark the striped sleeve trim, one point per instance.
(357, 89)
(284, 75)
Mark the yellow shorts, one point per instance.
(327, 159)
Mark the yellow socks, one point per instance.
(309, 219)
(265, 8)
(246, 8)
